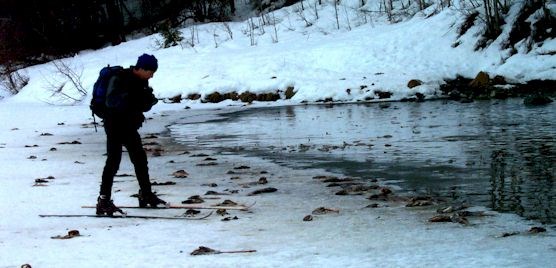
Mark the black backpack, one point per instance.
(98, 102)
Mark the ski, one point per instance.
(124, 216)
(233, 207)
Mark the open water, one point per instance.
(499, 154)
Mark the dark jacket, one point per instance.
(127, 98)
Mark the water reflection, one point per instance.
(499, 154)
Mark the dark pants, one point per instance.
(118, 135)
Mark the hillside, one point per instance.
(320, 52)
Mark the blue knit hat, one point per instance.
(147, 62)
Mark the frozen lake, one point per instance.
(499, 154)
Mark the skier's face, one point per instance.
(144, 74)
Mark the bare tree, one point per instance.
(251, 31)
(347, 18)
(492, 17)
(273, 23)
(228, 30)
(67, 74)
(215, 36)
(387, 4)
(12, 80)
(336, 2)
(301, 14)
(315, 10)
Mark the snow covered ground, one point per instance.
(38, 131)
(390, 236)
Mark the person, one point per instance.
(128, 96)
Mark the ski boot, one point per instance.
(105, 206)
(150, 200)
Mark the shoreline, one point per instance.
(370, 189)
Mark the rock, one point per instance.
(222, 212)
(180, 174)
(323, 177)
(414, 83)
(499, 80)
(509, 234)
(247, 97)
(232, 96)
(420, 97)
(214, 97)
(383, 94)
(227, 202)
(356, 189)
(268, 97)
(193, 200)
(242, 167)
(537, 99)
(203, 251)
(191, 212)
(230, 218)
(194, 96)
(342, 192)
(419, 201)
(324, 210)
(336, 179)
(466, 213)
(163, 183)
(264, 190)
(449, 218)
(71, 234)
(175, 99)
(70, 142)
(308, 218)
(215, 193)
(199, 155)
(459, 219)
(290, 92)
(536, 230)
(441, 218)
(482, 80)
(380, 197)
(453, 208)
(385, 191)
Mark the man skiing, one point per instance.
(128, 96)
